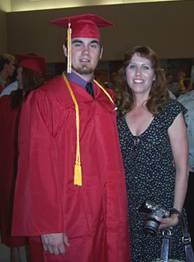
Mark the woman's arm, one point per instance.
(178, 140)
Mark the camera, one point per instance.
(154, 213)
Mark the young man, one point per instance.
(70, 192)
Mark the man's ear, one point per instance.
(65, 50)
(101, 52)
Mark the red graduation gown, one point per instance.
(8, 169)
(94, 215)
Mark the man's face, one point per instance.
(85, 53)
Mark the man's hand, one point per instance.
(55, 243)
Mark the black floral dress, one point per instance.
(150, 175)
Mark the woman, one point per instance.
(154, 148)
(30, 76)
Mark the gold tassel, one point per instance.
(69, 48)
(77, 174)
(104, 90)
(77, 166)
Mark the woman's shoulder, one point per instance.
(174, 106)
(170, 111)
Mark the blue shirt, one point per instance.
(73, 77)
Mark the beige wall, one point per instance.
(166, 27)
(3, 33)
(5, 5)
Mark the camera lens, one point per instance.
(151, 226)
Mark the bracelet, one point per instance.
(175, 211)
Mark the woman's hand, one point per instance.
(170, 221)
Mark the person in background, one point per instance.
(172, 86)
(153, 142)
(181, 76)
(13, 85)
(188, 86)
(7, 68)
(9, 88)
(30, 76)
(70, 167)
(187, 100)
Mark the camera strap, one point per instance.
(186, 239)
(165, 245)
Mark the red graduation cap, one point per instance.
(85, 25)
(34, 62)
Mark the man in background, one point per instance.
(187, 100)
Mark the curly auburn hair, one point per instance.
(158, 96)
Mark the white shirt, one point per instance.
(8, 89)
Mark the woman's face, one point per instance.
(140, 74)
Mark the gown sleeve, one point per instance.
(38, 203)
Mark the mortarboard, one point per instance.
(85, 25)
(34, 62)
